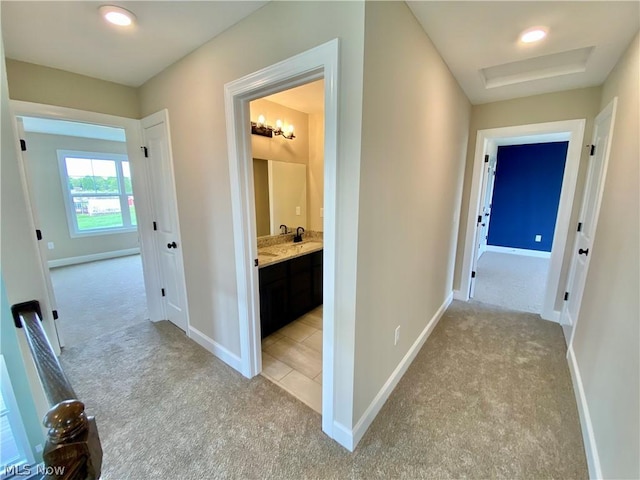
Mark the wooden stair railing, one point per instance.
(72, 450)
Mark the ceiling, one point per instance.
(308, 98)
(477, 39)
(479, 42)
(71, 36)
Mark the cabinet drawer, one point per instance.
(273, 272)
(300, 264)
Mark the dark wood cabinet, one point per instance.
(288, 290)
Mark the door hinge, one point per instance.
(163, 294)
(155, 226)
(479, 218)
(486, 159)
(579, 226)
(255, 262)
(593, 150)
(145, 150)
(473, 274)
(39, 234)
(55, 314)
(23, 145)
(566, 296)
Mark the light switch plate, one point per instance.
(297, 210)
(538, 238)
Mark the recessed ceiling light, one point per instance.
(534, 34)
(117, 15)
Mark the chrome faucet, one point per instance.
(298, 236)
(284, 229)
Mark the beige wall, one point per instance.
(192, 91)
(607, 337)
(38, 84)
(315, 185)
(550, 107)
(45, 173)
(414, 141)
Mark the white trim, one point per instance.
(487, 139)
(374, 408)
(458, 295)
(63, 262)
(215, 348)
(316, 63)
(588, 436)
(518, 251)
(344, 436)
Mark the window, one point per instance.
(97, 190)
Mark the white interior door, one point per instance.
(165, 213)
(588, 219)
(42, 236)
(486, 208)
(483, 221)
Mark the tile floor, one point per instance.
(292, 358)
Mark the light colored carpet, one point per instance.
(98, 298)
(488, 396)
(517, 282)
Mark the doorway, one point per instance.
(487, 142)
(318, 63)
(82, 193)
(287, 145)
(123, 202)
(519, 210)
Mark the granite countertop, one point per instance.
(286, 251)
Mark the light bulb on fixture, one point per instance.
(261, 121)
(533, 34)
(117, 15)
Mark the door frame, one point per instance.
(314, 64)
(487, 142)
(139, 180)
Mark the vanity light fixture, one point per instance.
(117, 15)
(533, 34)
(261, 128)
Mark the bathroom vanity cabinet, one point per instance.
(288, 290)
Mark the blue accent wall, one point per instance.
(526, 195)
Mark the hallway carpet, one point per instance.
(488, 396)
(512, 281)
(99, 298)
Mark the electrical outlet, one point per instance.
(50, 246)
(39, 448)
(538, 238)
(297, 210)
(321, 212)
(397, 335)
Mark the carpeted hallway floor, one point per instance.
(488, 396)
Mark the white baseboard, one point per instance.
(552, 316)
(374, 408)
(458, 295)
(218, 350)
(343, 436)
(591, 449)
(518, 251)
(63, 262)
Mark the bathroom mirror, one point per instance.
(280, 190)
